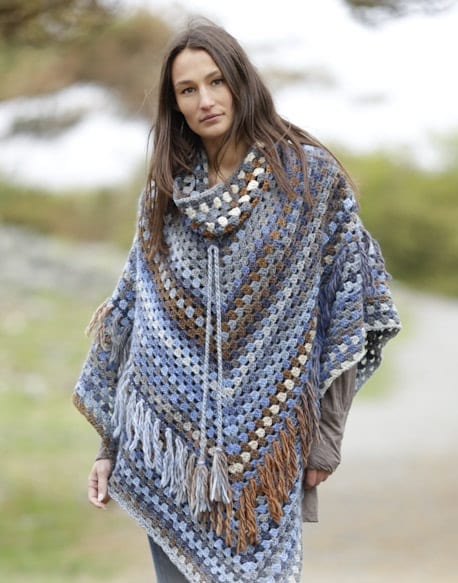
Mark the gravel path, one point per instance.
(390, 513)
(29, 261)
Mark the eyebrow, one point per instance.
(188, 81)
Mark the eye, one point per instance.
(218, 81)
(187, 90)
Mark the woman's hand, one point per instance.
(313, 478)
(97, 484)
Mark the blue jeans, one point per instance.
(166, 572)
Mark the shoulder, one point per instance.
(328, 181)
(319, 158)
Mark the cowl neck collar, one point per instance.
(222, 208)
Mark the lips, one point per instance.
(210, 117)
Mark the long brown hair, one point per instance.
(175, 145)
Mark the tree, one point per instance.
(47, 45)
(373, 11)
(38, 22)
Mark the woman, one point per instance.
(253, 304)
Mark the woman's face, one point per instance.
(202, 95)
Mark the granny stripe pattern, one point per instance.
(208, 364)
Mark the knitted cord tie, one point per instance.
(216, 487)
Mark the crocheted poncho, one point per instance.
(208, 363)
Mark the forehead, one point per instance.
(192, 64)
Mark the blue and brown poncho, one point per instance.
(209, 363)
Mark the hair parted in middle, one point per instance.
(176, 146)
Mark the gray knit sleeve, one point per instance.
(325, 454)
(107, 450)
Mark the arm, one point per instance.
(107, 450)
(325, 454)
(97, 484)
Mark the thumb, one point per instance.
(310, 478)
(102, 495)
(103, 473)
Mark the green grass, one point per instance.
(101, 215)
(48, 531)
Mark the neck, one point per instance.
(232, 156)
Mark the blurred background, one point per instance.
(376, 81)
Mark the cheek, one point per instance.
(230, 102)
(185, 108)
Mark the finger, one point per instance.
(310, 478)
(102, 494)
(93, 493)
(322, 476)
(93, 489)
(325, 476)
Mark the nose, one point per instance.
(206, 98)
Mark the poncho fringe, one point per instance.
(208, 364)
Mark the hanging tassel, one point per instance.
(168, 461)
(293, 470)
(220, 490)
(308, 422)
(130, 414)
(248, 531)
(119, 345)
(252, 529)
(242, 538)
(181, 455)
(204, 519)
(288, 455)
(147, 437)
(213, 517)
(97, 323)
(190, 466)
(268, 487)
(157, 446)
(278, 463)
(218, 518)
(199, 490)
(119, 411)
(137, 424)
(228, 524)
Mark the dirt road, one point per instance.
(390, 513)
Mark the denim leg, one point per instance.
(166, 572)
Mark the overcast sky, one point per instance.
(390, 87)
(394, 84)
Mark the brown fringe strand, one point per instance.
(248, 530)
(307, 419)
(227, 524)
(97, 323)
(252, 529)
(268, 487)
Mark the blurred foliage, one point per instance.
(413, 214)
(375, 11)
(42, 21)
(120, 51)
(102, 215)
